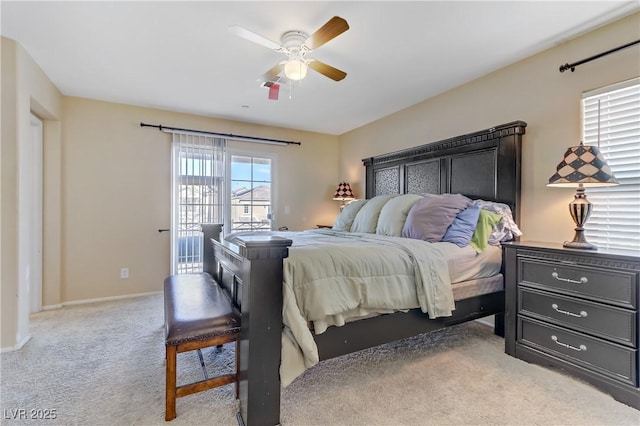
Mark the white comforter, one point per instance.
(331, 276)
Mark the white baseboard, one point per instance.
(18, 346)
(52, 307)
(99, 299)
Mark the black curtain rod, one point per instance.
(227, 135)
(573, 66)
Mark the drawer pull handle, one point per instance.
(566, 345)
(583, 280)
(571, 314)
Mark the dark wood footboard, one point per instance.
(251, 272)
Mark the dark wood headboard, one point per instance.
(483, 164)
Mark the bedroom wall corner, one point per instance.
(8, 198)
(25, 90)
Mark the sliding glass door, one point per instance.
(197, 197)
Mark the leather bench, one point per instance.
(197, 314)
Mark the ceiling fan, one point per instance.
(296, 45)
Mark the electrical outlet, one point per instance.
(124, 273)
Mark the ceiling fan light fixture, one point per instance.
(295, 69)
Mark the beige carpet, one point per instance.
(103, 364)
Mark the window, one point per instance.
(212, 185)
(611, 119)
(250, 194)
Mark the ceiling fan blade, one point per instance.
(327, 70)
(271, 75)
(251, 36)
(332, 29)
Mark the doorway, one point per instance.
(30, 223)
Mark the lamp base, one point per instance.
(579, 242)
(579, 245)
(580, 209)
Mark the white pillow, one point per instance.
(367, 218)
(345, 218)
(394, 213)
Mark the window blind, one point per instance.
(611, 119)
(197, 196)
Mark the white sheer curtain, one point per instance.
(197, 195)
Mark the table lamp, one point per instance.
(582, 166)
(343, 193)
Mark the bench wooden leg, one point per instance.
(170, 407)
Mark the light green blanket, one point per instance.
(331, 276)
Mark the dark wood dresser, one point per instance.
(576, 310)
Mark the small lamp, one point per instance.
(581, 167)
(343, 193)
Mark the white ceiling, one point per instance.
(180, 56)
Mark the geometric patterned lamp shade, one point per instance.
(582, 166)
(343, 193)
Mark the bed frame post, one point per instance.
(210, 231)
(259, 275)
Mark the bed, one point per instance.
(483, 166)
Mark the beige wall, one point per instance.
(532, 90)
(25, 90)
(116, 191)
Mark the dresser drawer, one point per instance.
(608, 286)
(605, 321)
(594, 354)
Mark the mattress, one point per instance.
(478, 287)
(465, 264)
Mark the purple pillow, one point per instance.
(430, 216)
(463, 226)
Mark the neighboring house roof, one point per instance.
(259, 193)
(238, 191)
